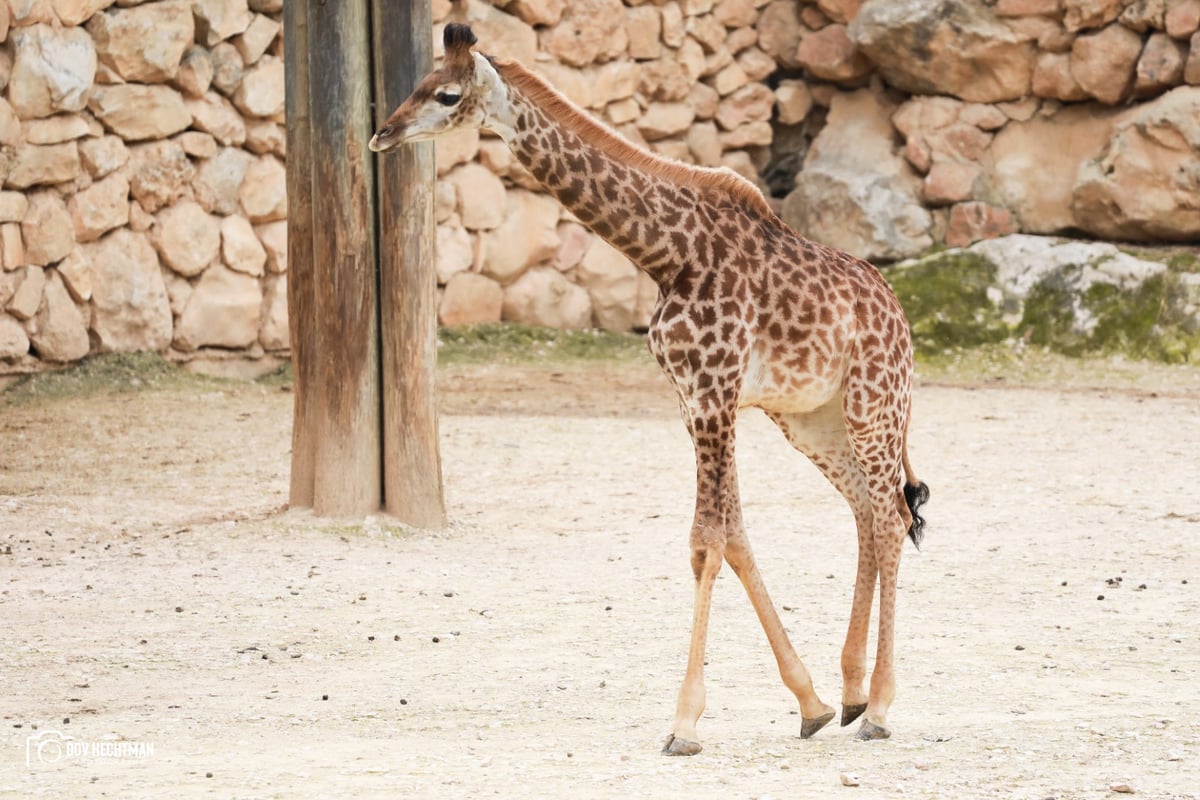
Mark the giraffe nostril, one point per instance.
(385, 131)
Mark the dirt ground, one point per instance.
(192, 638)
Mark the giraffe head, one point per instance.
(465, 93)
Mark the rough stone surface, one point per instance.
(218, 20)
(223, 310)
(240, 248)
(130, 309)
(14, 343)
(1143, 185)
(455, 252)
(145, 43)
(612, 285)
(855, 192)
(101, 207)
(1103, 63)
(28, 295)
(76, 272)
(829, 54)
(59, 333)
(470, 299)
(274, 333)
(481, 197)
(102, 155)
(217, 116)
(1032, 165)
(954, 47)
(186, 237)
(47, 230)
(528, 236)
(261, 91)
(975, 221)
(38, 165)
(218, 180)
(263, 193)
(542, 296)
(136, 112)
(159, 173)
(52, 70)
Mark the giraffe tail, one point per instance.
(916, 493)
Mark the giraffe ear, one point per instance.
(457, 40)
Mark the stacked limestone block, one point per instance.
(686, 79)
(144, 204)
(877, 126)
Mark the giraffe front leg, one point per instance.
(708, 551)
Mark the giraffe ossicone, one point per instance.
(750, 315)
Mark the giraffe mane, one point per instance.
(612, 144)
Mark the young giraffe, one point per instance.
(751, 315)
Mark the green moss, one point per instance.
(109, 373)
(946, 299)
(1141, 323)
(511, 343)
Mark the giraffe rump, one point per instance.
(915, 495)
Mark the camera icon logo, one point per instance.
(47, 747)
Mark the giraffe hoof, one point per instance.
(851, 713)
(869, 732)
(811, 726)
(675, 746)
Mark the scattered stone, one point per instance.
(1121, 788)
(848, 779)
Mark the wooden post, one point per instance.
(301, 286)
(412, 470)
(360, 254)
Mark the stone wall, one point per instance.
(880, 127)
(143, 203)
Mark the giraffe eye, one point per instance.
(448, 98)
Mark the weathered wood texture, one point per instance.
(361, 297)
(412, 473)
(301, 286)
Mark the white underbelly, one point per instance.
(770, 385)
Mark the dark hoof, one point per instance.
(674, 746)
(869, 732)
(811, 726)
(851, 713)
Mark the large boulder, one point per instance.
(130, 309)
(955, 47)
(222, 310)
(52, 70)
(855, 192)
(1069, 296)
(1145, 184)
(1033, 165)
(145, 43)
(59, 331)
(543, 296)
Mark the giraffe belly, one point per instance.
(770, 384)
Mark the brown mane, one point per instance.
(596, 133)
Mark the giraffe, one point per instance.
(750, 315)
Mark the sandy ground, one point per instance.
(192, 639)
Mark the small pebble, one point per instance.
(1064, 583)
(403, 702)
(396, 638)
(1099, 597)
(324, 697)
(436, 640)
(1121, 788)
(178, 609)
(66, 720)
(208, 774)
(370, 638)
(848, 779)
(1019, 647)
(1141, 587)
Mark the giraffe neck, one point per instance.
(639, 203)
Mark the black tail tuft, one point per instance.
(915, 494)
(456, 35)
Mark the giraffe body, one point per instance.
(750, 314)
